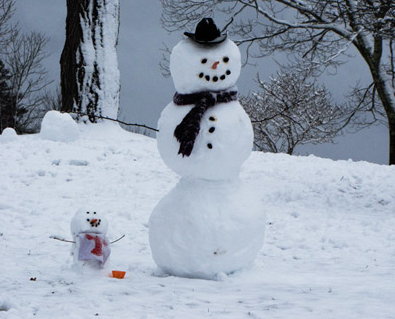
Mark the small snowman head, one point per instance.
(88, 221)
(206, 61)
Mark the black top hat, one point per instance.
(207, 33)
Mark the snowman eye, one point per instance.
(225, 59)
(204, 61)
(87, 213)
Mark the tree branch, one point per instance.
(118, 121)
(73, 242)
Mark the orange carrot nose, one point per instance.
(94, 221)
(215, 65)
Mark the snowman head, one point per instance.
(88, 221)
(207, 61)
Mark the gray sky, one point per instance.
(145, 92)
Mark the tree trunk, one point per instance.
(383, 84)
(90, 82)
(391, 128)
(68, 61)
(387, 98)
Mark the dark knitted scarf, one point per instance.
(187, 131)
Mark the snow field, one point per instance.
(329, 250)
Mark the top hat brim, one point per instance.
(217, 40)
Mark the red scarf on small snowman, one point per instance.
(93, 246)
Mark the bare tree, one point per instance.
(8, 31)
(90, 81)
(293, 109)
(52, 99)
(317, 31)
(28, 77)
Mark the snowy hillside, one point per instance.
(329, 250)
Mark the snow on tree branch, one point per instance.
(292, 109)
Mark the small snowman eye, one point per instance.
(94, 213)
(225, 59)
(87, 213)
(204, 61)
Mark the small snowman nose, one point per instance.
(214, 66)
(94, 221)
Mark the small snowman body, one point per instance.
(91, 247)
(210, 223)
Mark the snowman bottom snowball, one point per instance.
(204, 228)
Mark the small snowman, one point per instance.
(210, 223)
(91, 247)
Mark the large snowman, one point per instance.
(210, 223)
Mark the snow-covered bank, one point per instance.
(329, 249)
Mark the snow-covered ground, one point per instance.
(329, 250)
